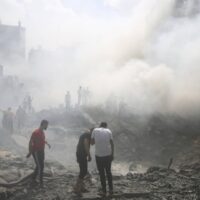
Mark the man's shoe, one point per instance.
(41, 185)
(110, 193)
(33, 182)
(77, 187)
(102, 194)
(84, 190)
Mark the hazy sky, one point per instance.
(63, 18)
(133, 49)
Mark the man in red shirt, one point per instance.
(36, 148)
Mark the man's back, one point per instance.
(104, 154)
(80, 151)
(38, 140)
(102, 137)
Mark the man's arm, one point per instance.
(112, 148)
(48, 144)
(87, 148)
(92, 142)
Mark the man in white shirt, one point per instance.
(104, 153)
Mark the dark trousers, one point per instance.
(83, 165)
(104, 168)
(39, 162)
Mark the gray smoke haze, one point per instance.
(144, 52)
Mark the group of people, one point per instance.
(83, 95)
(101, 137)
(11, 120)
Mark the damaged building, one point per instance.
(11, 89)
(12, 43)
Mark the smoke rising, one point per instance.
(142, 52)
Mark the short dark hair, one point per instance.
(44, 121)
(103, 124)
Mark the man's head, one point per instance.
(44, 124)
(89, 130)
(103, 125)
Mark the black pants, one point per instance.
(104, 168)
(39, 161)
(83, 165)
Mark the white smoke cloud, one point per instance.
(177, 45)
(139, 51)
(121, 5)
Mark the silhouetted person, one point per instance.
(68, 101)
(20, 117)
(27, 103)
(83, 156)
(1, 71)
(7, 121)
(36, 149)
(79, 96)
(104, 153)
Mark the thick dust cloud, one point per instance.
(143, 53)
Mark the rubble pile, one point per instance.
(141, 142)
(168, 184)
(156, 183)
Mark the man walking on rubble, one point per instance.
(83, 156)
(36, 148)
(104, 153)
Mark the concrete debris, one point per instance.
(156, 183)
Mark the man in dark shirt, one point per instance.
(36, 148)
(83, 156)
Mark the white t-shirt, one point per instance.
(102, 137)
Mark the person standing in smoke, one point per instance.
(79, 96)
(20, 117)
(27, 104)
(68, 101)
(7, 120)
(104, 153)
(36, 149)
(83, 156)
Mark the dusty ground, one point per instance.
(156, 183)
(138, 144)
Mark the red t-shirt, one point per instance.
(38, 140)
